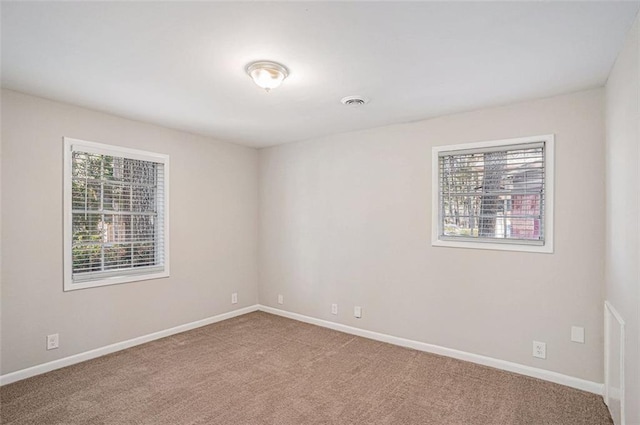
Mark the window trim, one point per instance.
(112, 150)
(438, 240)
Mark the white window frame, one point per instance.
(507, 245)
(70, 145)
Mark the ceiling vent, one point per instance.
(354, 100)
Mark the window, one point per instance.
(494, 195)
(116, 215)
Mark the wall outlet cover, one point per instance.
(280, 299)
(53, 341)
(539, 350)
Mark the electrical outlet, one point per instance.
(539, 350)
(280, 299)
(52, 341)
(577, 334)
(334, 308)
(357, 312)
(234, 298)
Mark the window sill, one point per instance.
(71, 286)
(543, 249)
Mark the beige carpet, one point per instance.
(264, 369)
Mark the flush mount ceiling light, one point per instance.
(266, 74)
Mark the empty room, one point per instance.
(298, 213)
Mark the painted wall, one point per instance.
(622, 282)
(346, 219)
(213, 231)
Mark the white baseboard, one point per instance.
(92, 354)
(558, 378)
(546, 375)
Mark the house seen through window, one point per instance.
(496, 195)
(116, 215)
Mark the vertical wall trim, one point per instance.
(612, 317)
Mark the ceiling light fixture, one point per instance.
(266, 74)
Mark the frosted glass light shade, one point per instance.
(267, 75)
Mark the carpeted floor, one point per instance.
(264, 369)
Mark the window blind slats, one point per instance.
(495, 193)
(117, 215)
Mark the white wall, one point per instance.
(213, 234)
(623, 213)
(346, 219)
(343, 219)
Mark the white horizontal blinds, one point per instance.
(117, 216)
(495, 193)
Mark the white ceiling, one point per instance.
(182, 64)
